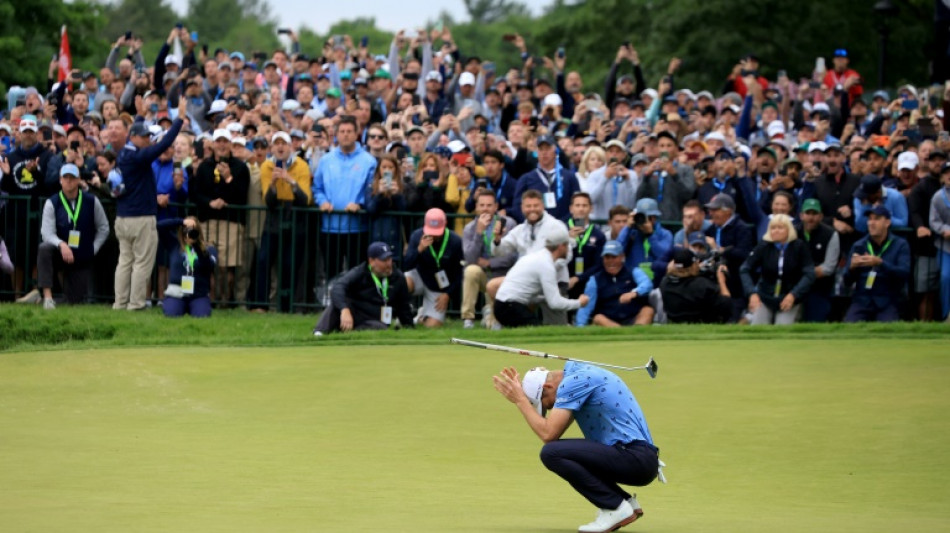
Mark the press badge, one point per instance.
(778, 288)
(550, 201)
(442, 279)
(386, 315)
(73, 240)
(579, 264)
(872, 275)
(188, 284)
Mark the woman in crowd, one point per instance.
(785, 272)
(387, 194)
(191, 267)
(593, 158)
(783, 203)
(458, 189)
(428, 189)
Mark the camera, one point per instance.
(74, 145)
(482, 183)
(192, 234)
(709, 262)
(639, 219)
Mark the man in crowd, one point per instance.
(368, 296)
(878, 265)
(556, 184)
(734, 239)
(872, 193)
(926, 279)
(588, 242)
(481, 266)
(614, 183)
(691, 295)
(618, 294)
(74, 228)
(666, 180)
(825, 247)
(497, 181)
(434, 262)
(136, 209)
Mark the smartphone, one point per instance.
(910, 104)
(626, 44)
(488, 66)
(438, 26)
(692, 156)
(283, 31)
(176, 166)
(814, 84)
(560, 52)
(364, 41)
(128, 35)
(47, 134)
(279, 163)
(510, 37)
(74, 145)
(943, 136)
(194, 36)
(199, 147)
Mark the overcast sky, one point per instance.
(390, 15)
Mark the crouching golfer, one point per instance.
(616, 448)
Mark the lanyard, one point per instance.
(722, 187)
(659, 191)
(438, 258)
(381, 287)
(487, 236)
(190, 257)
(646, 249)
(883, 249)
(557, 180)
(781, 258)
(504, 179)
(718, 235)
(615, 183)
(582, 240)
(946, 197)
(72, 215)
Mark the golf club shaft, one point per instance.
(534, 353)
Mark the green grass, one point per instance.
(792, 434)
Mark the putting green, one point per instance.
(759, 436)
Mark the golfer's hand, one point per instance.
(346, 320)
(442, 302)
(509, 385)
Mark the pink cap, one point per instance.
(435, 222)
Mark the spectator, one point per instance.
(481, 266)
(783, 203)
(734, 239)
(222, 181)
(285, 178)
(171, 184)
(667, 180)
(435, 275)
(617, 294)
(192, 266)
(871, 193)
(387, 194)
(825, 247)
(532, 280)
(693, 221)
(878, 265)
(556, 184)
(926, 281)
(594, 158)
(612, 184)
(72, 236)
(458, 188)
(690, 294)
(428, 189)
(785, 273)
(840, 75)
(587, 243)
(619, 218)
(646, 242)
(726, 180)
(136, 209)
(496, 180)
(368, 296)
(940, 226)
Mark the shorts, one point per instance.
(926, 274)
(227, 238)
(428, 296)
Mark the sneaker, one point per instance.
(48, 303)
(318, 334)
(468, 324)
(486, 316)
(496, 326)
(610, 519)
(32, 297)
(637, 511)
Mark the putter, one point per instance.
(650, 367)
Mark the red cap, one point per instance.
(435, 222)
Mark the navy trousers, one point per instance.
(595, 469)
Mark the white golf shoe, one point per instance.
(468, 324)
(611, 519)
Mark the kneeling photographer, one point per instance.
(694, 289)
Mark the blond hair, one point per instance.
(781, 220)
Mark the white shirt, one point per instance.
(526, 238)
(607, 192)
(534, 279)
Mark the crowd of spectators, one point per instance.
(798, 198)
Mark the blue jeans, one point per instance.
(595, 469)
(197, 307)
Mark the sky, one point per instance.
(390, 15)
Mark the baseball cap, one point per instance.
(615, 142)
(546, 139)
(69, 170)
(333, 92)
(379, 250)
(775, 128)
(415, 129)
(297, 134)
(289, 105)
(467, 78)
(553, 100)
(218, 106)
(172, 59)
(721, 201)
(557, 236)
(612, 248)
(714, 136)
(816, 146)
(239, 140)
(791, 161)
(382, 73)
(870, 184)
(811, 204)
(237, 55)
(282, 135)
(139, 129)
(683, 258)
(434, 75)
(533, 385)
(456, 146)
(224, 65)
(221, 134)
(434, 223)
(881, 94)
(907, 161)
(880, 211)
(945, 167)
(840, 52)
(876, 150)
(648, 207)
(28, 123)
(698, 238)
(937, 154)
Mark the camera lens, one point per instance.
(639, 218)
(192, 234)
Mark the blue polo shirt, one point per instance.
(603, 405)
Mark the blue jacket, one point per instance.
(891, 277)
(658, 253)
(139, 198)
(605, 290)
(504, 193)
(893, 201)
(342, 179)
(165, 184)
(533, 180)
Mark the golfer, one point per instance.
(616, 448)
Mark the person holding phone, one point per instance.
(843, 78)
(388, 194)
(434, 267)
(171, 184)
(192, 267)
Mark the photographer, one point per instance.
(692, 294)
(191, 268)
(734, 239)
(646, 243)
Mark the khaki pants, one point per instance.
(138, 244)
(474, 281)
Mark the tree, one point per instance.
(490, 11)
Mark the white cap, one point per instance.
(290, 105)
(821, 106)
(706, 94)
(651, 93)
(283, 135)
(221, 133)
(775, 128)
(172, 59)
(28, 123)
(552, 99)
(907, 161)
(909, 88)
(467, 78)
(734, 108)
(533, 386)
(218, 106)
(239, 140)
(715, 136)
(456, 146)
(314, 114)
(689, 94)
(58, 129)
(235, 127)
(434, 75)
(817, 146)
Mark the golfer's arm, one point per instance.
(550, 428)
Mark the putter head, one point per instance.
(651, 368)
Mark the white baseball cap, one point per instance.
(239, 140)
(290, 105)
(172, 59)
(235, 127)
(456, 146)
(533, 386)
(221, 134)
(775, 128)
(434, 75)
(715, 136)
(817, 146)
(218, 106)
(28, 123)
(282, 135)
(651, 93)
(552, 99)
(467, 78)
(907, 161)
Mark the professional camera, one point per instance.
(639, 219)
(710, 261)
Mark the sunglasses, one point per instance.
(375, 136)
